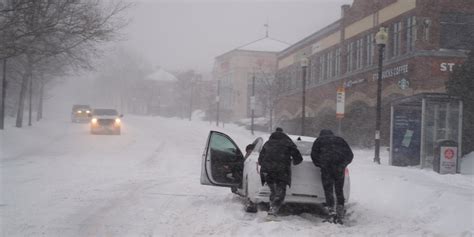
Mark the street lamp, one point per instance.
(304, 65)
(381, 39)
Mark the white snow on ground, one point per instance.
(58, 180)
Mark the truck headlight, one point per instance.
(88, 111)
(79, 112)
(94, 120)
(117, 120)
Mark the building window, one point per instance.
(411, 33)
(359, 53)
(369, 42)
(313, 71)
(330, 64)
(337, 61)
(294, 82)
(350, 57)
(396, 38)
(322, 68)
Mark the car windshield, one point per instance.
(80, 107)
(105, 112)
(304, 147)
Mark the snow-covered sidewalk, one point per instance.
(58, 180)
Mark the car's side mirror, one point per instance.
(121, 116)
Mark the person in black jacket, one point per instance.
(332, 154)
(275, 167)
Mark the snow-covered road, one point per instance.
(58, 180)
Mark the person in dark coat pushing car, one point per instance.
(332, 154)
(275, 167)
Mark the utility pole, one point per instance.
(304, 66)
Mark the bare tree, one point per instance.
(269, 89)
(66, 30)
(121, 71)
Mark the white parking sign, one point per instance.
(340, 100)
(448, 160)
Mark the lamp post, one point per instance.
(381, 40)
(304, 65)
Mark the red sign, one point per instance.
(449, 154)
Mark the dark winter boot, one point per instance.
(273, 209)
(330, 211)
(340, 212)
(331, 215)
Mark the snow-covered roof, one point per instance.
(161, 75)
(266, 44)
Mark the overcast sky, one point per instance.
(189, 34)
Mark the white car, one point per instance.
(223, 164)
(105, 121)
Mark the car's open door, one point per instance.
(222, 161)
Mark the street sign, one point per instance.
(340, 101)
(252, 102)
(448, 160)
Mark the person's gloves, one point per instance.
(295, 162)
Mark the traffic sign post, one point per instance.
(340, 104)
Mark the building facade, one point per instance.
(427, 38)
(235, 72)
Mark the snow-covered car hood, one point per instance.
(105, 116)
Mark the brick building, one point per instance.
(427, 38)
(235, 70)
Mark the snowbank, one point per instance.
(467, 164)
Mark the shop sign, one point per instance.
(340, 101)
(349, 84)
(392, 72)
(446, 67)
(403, 84)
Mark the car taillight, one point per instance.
(347, 172)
